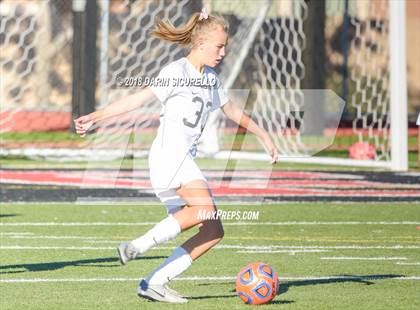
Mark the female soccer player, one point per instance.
(193, 92)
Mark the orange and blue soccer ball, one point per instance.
(257, 283)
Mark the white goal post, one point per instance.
(398, 85)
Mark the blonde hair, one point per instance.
(188, 34)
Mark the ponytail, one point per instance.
(165, 30)
(188, 34)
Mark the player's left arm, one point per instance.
(237, 115)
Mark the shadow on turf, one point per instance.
(8, 215)
(97, 262)
(211, 296)
(280, 302)
(284, 287)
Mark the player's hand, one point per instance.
(271, 149)
(82, 124)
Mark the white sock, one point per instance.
(174, 265)
(165, 230)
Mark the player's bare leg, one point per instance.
(198, 197)
(211, 232)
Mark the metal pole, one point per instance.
(345, 51)
(103, 69)
(89, 59)
(79, 7)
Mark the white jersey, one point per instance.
(187, 98)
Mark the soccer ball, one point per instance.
(257, 283)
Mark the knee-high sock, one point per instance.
(174, 265)
(165, 230)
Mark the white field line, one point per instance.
(16, 233)
(105, 241)
(238, 247)
(226, 223)
(291, 251)
(409, 264)
(88, 239)
(321, 223)
(363, 258)
(339, 247)
(18, 247)
(77, 224)
(222, 278)
(94, 240)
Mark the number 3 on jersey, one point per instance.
(197, 113)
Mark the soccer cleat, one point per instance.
(126, 252)
(159, 293)
(173, 291)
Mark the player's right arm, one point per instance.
(121, 106)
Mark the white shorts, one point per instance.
(168, 171)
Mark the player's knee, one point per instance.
(216, 230)
(219, 236)
(220, 233)
(220, 230)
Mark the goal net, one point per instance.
(318, 79)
